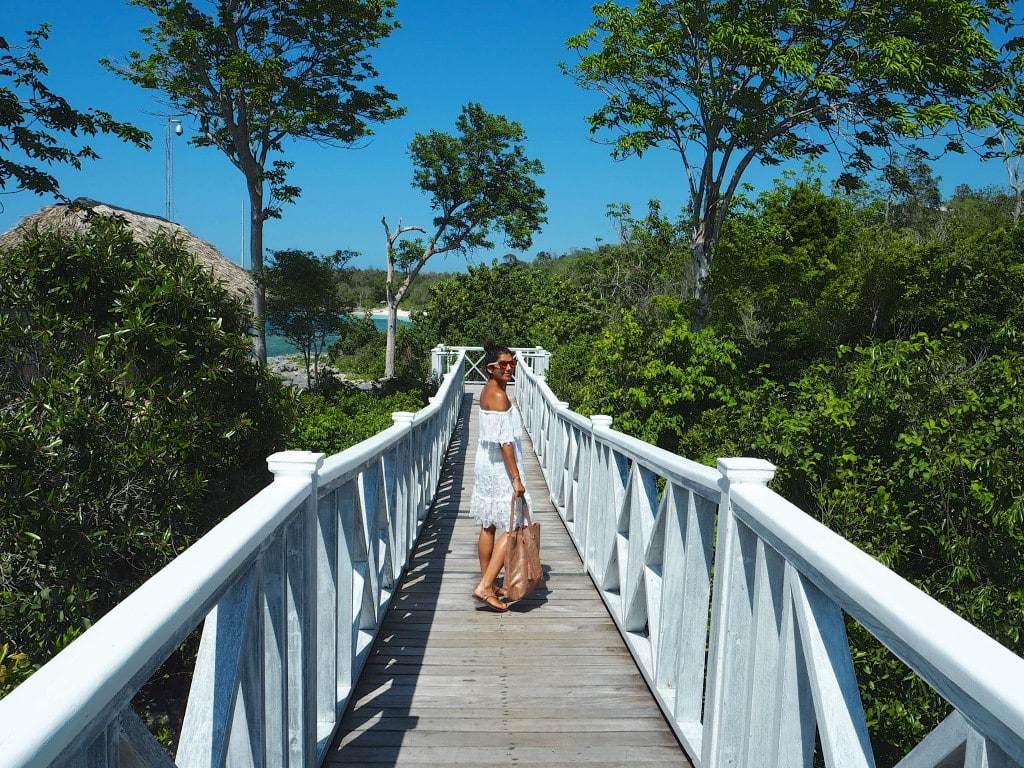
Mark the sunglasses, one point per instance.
(504, 364)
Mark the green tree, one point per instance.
(479, 181)
(981, 210)
(974, 283)
(359, 350)
(364, 288)
(33, 120)
(304, 304)
(650, 259)
(913, 200)
(784, 284)
(259, 73)
(727, 84)
(331, 421)
(132, 418)
(537, 308)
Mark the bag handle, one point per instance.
(512, 513)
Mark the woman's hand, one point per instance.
(518, 489)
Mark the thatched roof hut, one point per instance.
(69, 219)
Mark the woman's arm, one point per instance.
(508, 453)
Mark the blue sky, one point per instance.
(504, 55)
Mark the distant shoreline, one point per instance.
(278, 346)
(402, 313)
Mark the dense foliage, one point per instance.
(366, 289)
(330, 420)
(133, 417)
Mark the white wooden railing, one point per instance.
(733, 603)
(290, 590)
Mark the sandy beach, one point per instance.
(403, 314)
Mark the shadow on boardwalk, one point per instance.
(549, 683)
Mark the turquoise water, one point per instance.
(278, 345)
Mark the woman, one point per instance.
(498, 477)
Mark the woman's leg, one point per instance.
(494, 566)
(485, 546)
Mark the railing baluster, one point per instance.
(764, 654)
(794, 721)
(274, 639)
(216, 677)
(840, 714)
(349, 587)
(329, 633)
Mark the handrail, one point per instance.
(290, 590)
(698, 563)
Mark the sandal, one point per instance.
(490, 602)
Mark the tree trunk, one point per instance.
(700, 259)
(259, 301)
(394, 296)
(389, 349)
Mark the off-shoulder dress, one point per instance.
(491, 501)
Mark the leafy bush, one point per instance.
(333, 419)
(14, 668)
(133, 418)
(359, 350)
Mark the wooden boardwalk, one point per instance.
(549, 683)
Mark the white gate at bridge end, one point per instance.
(442, 358)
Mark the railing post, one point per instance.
(542, 360)
(731, 616)
(438, 362)
(402, 417)
(295, 464)
(301, 614)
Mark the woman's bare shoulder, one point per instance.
(494, 399)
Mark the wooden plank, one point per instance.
(549, 683)
(530, 724)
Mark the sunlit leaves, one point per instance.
(654, 375)
(37, 123)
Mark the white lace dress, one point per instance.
(491, 501)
